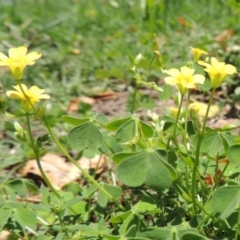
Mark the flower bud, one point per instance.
(18, 127)
(138, 59)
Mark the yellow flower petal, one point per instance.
(187, 71)
(33, 94)
(170, 80)
(217, 71)
(13, 94)
(18, 59)
(197, 53)
(172, 72)
(33, 56)
(17, 52)
(183, 79)
(3, 57)
(230, 69)
(198, 78)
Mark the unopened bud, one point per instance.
(18, 127)
(155, 117)
(138, 58)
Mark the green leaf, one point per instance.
(73, 120)
(227, 139)
(80, 207)
(146, 167)
(72, 202)
(233, 154)
(127, 131)
(110, 143)
(120, 218)
(226, 200)
(115, 191)
(114, 125)
(132, 220)
(43, 237)
(211, 144)
(147, 204)
(101, 119)
(157, 234)
(190, 128)
(171, 233)
(5, 214)
(146, 129)
(117, 158)
(19, 187)
(45, 194)
(26, 218)
(84, 136)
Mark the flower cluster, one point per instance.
(17, 60)
(186, 79)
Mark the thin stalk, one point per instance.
(137, 83)
(178, 116)
(185, 137)
(134, 97)
(196, 163)
(85, 173)
(217, 179)
(34, 147)
(173, 137)
(238, 223)
(36, 152)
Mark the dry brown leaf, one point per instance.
(224, 36)
(108, 93)
(60, 172)
(74, 104)
(53, 173)
(4, 235)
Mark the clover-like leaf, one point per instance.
(226, 199)
(233, 153)
(211, 144)
(146, 167)
(85, 136)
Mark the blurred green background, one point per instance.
(89, 45)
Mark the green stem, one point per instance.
(178, 116)
(85, 173)
(134, 97)
(196, 163)
(238, 223)
(173, 136)
(34, 147)
(36, 152)
(185, 137)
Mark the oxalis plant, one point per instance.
(177, 178)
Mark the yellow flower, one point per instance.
(18, 59)
(217, 71)
(183, 79)
(201, 108)
(30, 96)
(197, 53)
